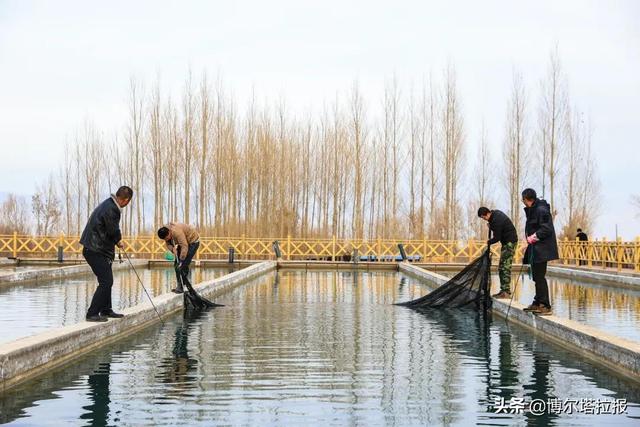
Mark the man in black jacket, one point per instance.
(542, 248)
(99, 239)
(503, 231)
(582, 237)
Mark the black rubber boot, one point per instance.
(112, 314)
(96, 318)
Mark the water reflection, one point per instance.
(178, 370)
(98, 410)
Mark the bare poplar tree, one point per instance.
(66, 184)
(429, 114)
(453, 138)
(187, 147)
(393, 134)
(157, 161)
(205, 126)
(484, 170)
(415, 156)
(551, 115)
(515, 144)
(14, 215)
(358, 136)
(134, 139)
(581, 189)
(46, 208)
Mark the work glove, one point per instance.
(182, 267)
(532, 239)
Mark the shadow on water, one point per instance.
(97, 414)
(179, 370)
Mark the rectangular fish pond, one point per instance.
(321, 348)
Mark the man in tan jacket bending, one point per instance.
(183, 240)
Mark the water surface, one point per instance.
(319, 348)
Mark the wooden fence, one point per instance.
(598, 253)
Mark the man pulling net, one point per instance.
(183, 241)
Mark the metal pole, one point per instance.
(143, 287)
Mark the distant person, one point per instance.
(542, 248)
(100, 237)
(503, 231)
(582, 237)
(183, 240)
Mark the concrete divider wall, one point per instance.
(616, 353)
(28, 276)
(627, 280)
(25, 358)
(337, 265)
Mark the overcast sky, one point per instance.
(65, 61)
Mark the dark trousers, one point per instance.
(101, 267)
(539, 271)
(184, 271)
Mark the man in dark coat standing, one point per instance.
(582, 237)
(542, 248)
(99, 239)
(503, 231)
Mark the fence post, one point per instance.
(333, 248)
(619, 253)
(288, 247)
(60, 247)
(242, 246)
(470, 250)
(15, 244)
(636, 255)
(424, 248)
(590, 254)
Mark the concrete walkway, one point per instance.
(28, 276)
(612, 277)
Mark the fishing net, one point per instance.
(192, 300)
(470, 287)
